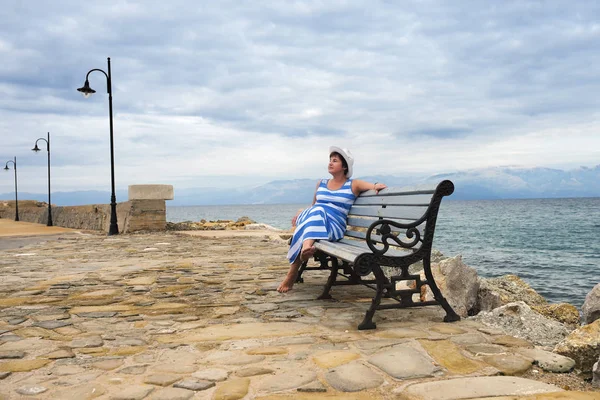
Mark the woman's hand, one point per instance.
(296, 217)
(378, 186)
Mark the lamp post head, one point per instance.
(6, 167)
(86, 90)
(36, 148)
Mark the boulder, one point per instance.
(495, 292)
(583, 346)
(458, 283)
(596, 374)
(519, 320)
(564, 313)
(591, 306)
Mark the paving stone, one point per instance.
(211, 374)
(469, 338)
(87, 341)
(129, 342)
(108, 365)
(22, 365)
(161, 379)
(267, 351)
(334, 358)
(548, 361)
(16, 321)
(52, 324)
(194, 384)
(97, 314)
(61, 353)
(353, 377)
(172, 394)
(449, 355)
(479, 387)
(253, 371)
(287, 380)
(50, 317)
(11, 354)
(87, 391)
(262, 307)
(10, 338)
(181, 368)
(404, 362)
(313, 387)
(486, 349)
(509, 364)
(132, 392)
(232, 390)
(31, 390)
(133, 370)
(62, 370)
(510, 341)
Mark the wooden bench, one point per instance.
(391, 229)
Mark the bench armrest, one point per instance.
(386, 233)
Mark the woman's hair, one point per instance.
(344, 163)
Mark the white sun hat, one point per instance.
(347, 156)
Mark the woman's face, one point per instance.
(335, 164)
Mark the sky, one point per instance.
(231, 93)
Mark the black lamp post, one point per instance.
(16, 197)
(87, 92)
(36, 149)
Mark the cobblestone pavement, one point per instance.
(174, 316)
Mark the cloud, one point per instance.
(234, 93)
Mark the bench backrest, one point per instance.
(409, 209)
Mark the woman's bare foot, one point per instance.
(287, 284)
(307, 253)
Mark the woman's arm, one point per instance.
(359, 186)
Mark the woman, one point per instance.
(326, 218)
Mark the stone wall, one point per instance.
(132, 216)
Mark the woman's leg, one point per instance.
(307, 252)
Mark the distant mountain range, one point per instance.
(487, 183)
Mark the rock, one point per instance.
(212, 374)
(549, 361)
(353, 377)
(518, 319)
(87, 341)
(495, 292)
(415, 363)
(596, 374)
(591, 305)
(108, 365)
(253, 371)
(162, 379)
(334, 358)
(458, 283)
(31, 390)
(582, 345)
(287, 380)
(564, 313)
(52, 324)
(132, 392)
(61, 353)
(194, 384)
(509, 364)
(478, 387)
(8, 354)
(232, 390)
(172, 394)
(23, 365)
(133, 370)
(4, 375)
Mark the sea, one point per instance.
(552, 244)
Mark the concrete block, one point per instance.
(150, 192)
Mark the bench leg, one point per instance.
(451, 316)
(381, 280)
(331, 280)
(299, 278)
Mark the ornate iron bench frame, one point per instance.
(355, 261)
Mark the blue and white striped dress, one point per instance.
(324, 220)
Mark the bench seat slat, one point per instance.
(395, 199)
(392, 251)
(344, 252)
(398, 212)
(365, 222)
